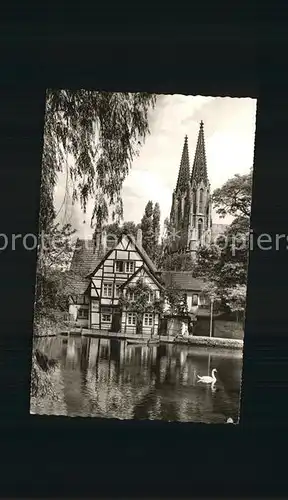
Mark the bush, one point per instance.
(42, 368)
(50, 323)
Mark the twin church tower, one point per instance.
(191, 211)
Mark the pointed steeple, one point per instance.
(184, 170)
(199, 171)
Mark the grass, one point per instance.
(215, 342)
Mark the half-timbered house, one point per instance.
(103, 274)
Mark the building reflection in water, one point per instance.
(112, 379)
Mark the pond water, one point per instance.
(109, 379)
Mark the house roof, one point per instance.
(85, 257)
(139, 249)
(182, 280)
(75, 284)
(143, 254)
(146, 269)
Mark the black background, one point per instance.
(78, 457)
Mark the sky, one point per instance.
(229, 130)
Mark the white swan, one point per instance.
(207, 379)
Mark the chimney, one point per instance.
(139, 237)
(104, 242)
(100, 241)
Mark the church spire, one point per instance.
(184, 170)
(199, 171)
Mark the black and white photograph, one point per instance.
(142, 260)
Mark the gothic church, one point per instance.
(191, 211)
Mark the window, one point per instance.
(130, 295)
(194, 200)
(111, 241)
(179, 216)
(82, 313)
(119, 266)
(204, 301)
(106, 315)
(130, 267)
(150, 296)
(148, 319)
(195, 300)
(131, 319)
(200, 229)
(81, 299)
(201, 200)
(107, 290)
(117, 289)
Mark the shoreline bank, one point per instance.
(190, 341)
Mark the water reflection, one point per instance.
(108, 378)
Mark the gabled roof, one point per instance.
(143, 254)
(145, 268)
(85, 257)
(139, 249)
(182, 280)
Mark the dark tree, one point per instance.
(224, 264)
(156, 223)
(176, 262)
(148, 239)
(114, 231)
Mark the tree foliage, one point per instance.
(176, 300)
(176, 262)
(234, 197)
(236, 298)
(140, 303)
(56, 247)
(115, 230)
(156, 223)
(224, 268)
(55, 251)
(141, 298)
(147, 226)
(95, 137)
(224, 264)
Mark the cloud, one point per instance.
(142, 186)
(229, 128)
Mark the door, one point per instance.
(116, 321)
(139, 321)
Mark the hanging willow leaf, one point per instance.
(102, 133)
